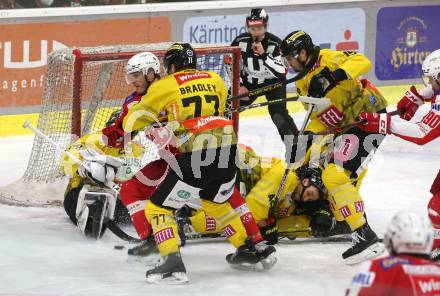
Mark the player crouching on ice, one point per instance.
(141, 70)
(205, 168)
(408, 269)
(422, 132)
(301, 211)
(335, 75)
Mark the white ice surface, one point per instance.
(41, 253)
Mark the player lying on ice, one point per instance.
(204, 168)
(141, 70)
(408, 270)
(422, 132)
(301, 211)
(335, 75)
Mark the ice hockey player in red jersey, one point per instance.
(408, 270)
(421, 132)
(141, 71)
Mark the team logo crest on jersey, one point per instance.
(387, 263)
(182, 78)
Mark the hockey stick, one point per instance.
(290, 164)
(304, 99)
(111, 185)
(265, 89)
(346, 127)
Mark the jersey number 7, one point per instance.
(197, 100)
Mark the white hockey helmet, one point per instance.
(409, 233)
(431, 66)
(142, 62)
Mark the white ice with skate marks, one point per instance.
(42, 253)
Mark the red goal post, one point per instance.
(83, 86)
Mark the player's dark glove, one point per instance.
(321, 223)
(113, 136)
(270, 232)
(325, 81)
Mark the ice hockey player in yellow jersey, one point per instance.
(195, 102)
(301, 211)
(336, 76)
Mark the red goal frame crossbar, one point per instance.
(80, 58)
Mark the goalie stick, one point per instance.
(109, 184)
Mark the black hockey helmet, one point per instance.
(257, 17)
(181, 55)
(294, 42)
(113, 117)
(314, 174)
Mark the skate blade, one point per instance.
(150, 260)
(262, 265)
(269, 261)
(369, 253)
(176, 278)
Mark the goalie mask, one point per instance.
(182, 56)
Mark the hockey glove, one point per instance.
(409, 104)
(114, 135)
(325, 81)
(270, 231)
(321, 223)
(98, 168)
(375, 123)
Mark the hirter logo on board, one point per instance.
(183, 77)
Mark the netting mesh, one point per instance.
(100, 88)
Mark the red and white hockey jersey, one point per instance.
(401, 275)
(421, 132)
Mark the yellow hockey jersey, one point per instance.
(194, 102)
(349, 98)
(260, 179)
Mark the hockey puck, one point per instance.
(118, 247)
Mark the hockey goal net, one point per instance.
(83, 86)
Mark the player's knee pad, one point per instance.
(164, 228)
(203, 223)
(346, 201)
(228, 220)
(434, 210)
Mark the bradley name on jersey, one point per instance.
(197, 88)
